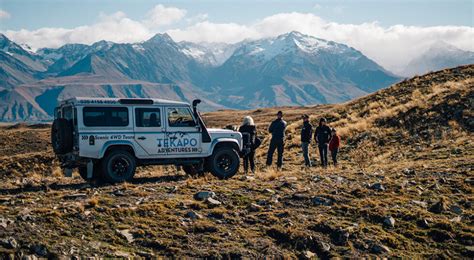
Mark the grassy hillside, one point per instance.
(404, 188)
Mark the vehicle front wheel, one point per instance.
(224, 162)
(118, 166)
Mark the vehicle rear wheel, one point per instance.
(118, 166)
(224, 162)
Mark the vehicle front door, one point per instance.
(183, 135)
(150, 131)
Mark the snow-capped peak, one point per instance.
(287, 43)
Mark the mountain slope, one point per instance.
(35, 102)
(295, 69)
(291, 69)
(439, 56)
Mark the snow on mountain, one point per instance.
(210, 54)
(286, 43)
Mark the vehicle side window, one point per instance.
(180, 117)
(105, 116)
(148, 117)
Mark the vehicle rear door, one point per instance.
(150, 130)
(183, 135)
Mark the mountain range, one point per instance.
(439, 55)
(290, 69)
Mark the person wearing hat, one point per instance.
(306, 133)
(334, 145)
(277, 129)
(322, 135)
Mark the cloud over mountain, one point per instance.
(393, 47)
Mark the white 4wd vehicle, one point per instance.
(107, 138)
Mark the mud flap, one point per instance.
(90, 169)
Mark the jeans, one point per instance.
(323, 154)
(305, 148)
(249, 159)
(277, 144)
(334, 156)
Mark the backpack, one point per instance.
(257, 143)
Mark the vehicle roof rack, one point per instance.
(134, 101)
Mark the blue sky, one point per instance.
(34, 14)
(390, 32)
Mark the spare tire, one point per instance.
(61, 136)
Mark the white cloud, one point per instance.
(317, 6)
(115, 27)
(161, 15)
(4, 14)
(392, 47)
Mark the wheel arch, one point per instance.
(226, 142)
(117, 146)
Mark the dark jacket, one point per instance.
(252, 132)
(277, 129)
(306, 132)
(334, 143)
(322, 135)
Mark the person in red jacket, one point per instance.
(334, 145)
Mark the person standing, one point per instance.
(306, 134)
(277, 129)
(334, 145)
(249, 132)
(322, 135)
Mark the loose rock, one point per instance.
(380, 249)
(203, 195)
(125, 233)
(377, 186)
(438, 207)
(9, 243)
(254, 207)
(193, 215)
(389, 222)
(213, 202)
(320, 201)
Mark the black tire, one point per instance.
(224, 162)
(118, 166)
(61, 136)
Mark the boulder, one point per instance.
(203, 195)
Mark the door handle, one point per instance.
(141, 138)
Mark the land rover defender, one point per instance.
(107, 138)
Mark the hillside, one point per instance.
(404, 189)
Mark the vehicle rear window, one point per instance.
(105, 116)
(148, 117)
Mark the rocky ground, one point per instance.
(404, 188)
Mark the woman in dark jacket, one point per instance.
(249, 132)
